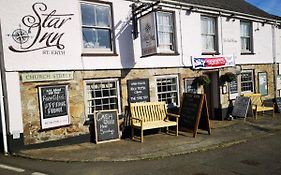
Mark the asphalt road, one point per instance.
(257, 156)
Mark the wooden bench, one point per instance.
(258, 104)
(151, 115)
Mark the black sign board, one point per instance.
(54, 101)
(242, 107)
(138, 90)
(106, 126)
(278, 104)
(54, 106)
(194, 113)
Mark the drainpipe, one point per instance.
(2, 108)
(275, 70)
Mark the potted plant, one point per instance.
(202, 80)
(228, 77)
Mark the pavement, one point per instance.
(159, 145)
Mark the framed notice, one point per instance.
(263, 89)
(233, 89)
(278, 82)
(54, 106)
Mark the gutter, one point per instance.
(2, 92)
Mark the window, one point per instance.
(246, 37)
(208, 34)
(165, 30)
(167, 90)
(102, 95)
(97, 27)
(190, 86)
(247, 81)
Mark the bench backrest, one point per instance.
(255, 99)
(149, 111)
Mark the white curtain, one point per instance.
(165, 30)
(208, 29)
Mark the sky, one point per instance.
(271, 6)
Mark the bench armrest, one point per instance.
(173, 115)
(133, 118)
(268, 103)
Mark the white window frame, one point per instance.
(248, 38)
(177, 86)
(249, 81)
(185, 85)
(86, 82)
(110, 28)
(214, 35)
(161, 47)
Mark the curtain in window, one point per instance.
(165, 30)
(245, 32)
(96, 26)
(208, 28)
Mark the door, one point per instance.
(212, 93)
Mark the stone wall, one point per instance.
(30, 98)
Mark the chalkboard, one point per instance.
(242, 107)
(54, 106)
(106, 126)
(278, 104)
(138, 90)
(194, 112)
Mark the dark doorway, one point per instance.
(212, 93)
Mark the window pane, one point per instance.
(96, 38)
(167, 90)
(165, 30)
(208, 34)
(103, 16)
(88, 14)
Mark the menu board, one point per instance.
(106, 126)
(138, 90)
(194, 113)
(54, 108)
(242, 107)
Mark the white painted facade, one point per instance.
(188, 39)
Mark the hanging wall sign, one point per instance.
(54, 108)
(148, 34)
(212, 62)
(233, 89)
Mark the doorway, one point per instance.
(212, 93)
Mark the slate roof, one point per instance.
(233, 5)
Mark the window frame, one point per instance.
(92, 82)
(174, 34)
(248, 81)
(216, 48)
(99, 51)
(250, 37)
(177, 86)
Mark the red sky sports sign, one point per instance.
(212, 62)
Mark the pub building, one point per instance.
(61, 61)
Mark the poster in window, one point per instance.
(148, 34)
(278, 82)
(190, 86)
(262, 76)
(233, 89)
(54, 107)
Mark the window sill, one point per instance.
(210, 53)
(248, 53)
(99, 54)
(161, 54)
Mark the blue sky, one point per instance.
(270, 6)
